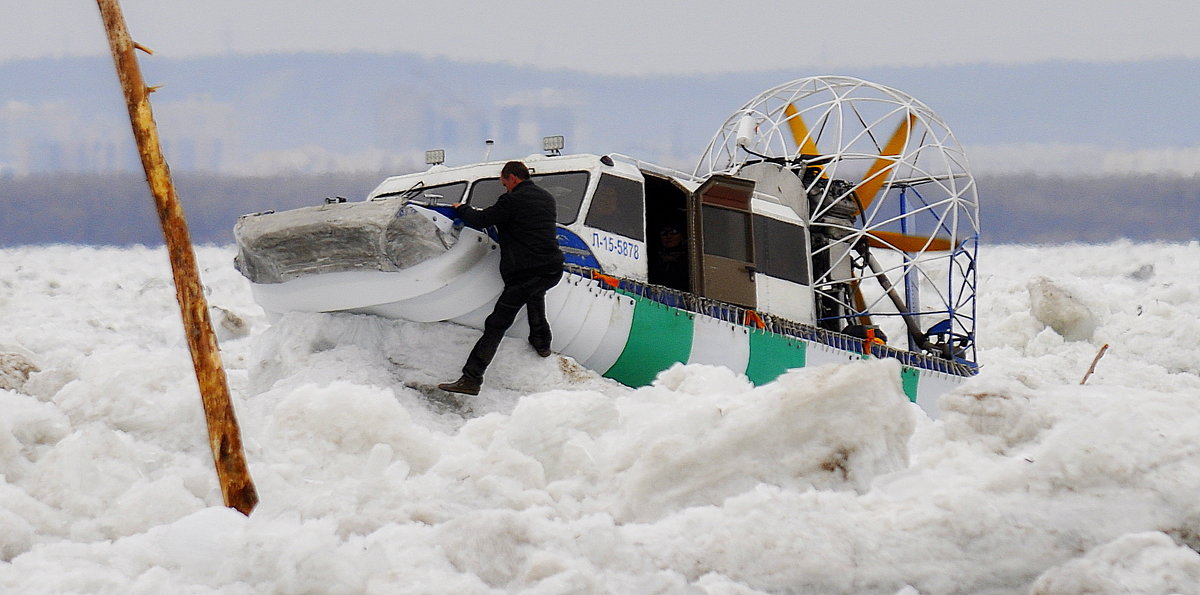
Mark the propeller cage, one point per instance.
(893, 213)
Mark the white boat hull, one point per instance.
(623, 336)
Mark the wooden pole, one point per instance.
(223, 433)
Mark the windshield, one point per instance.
(567, 188)
(442, 194)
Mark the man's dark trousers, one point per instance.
(529, 292)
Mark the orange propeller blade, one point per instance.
(860, 304)
(799, 131)
(877, 175)
(892, 240)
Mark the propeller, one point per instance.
(873, 181)
(877, 174)
(888, 240)
(867, 191)
(800, 133)
(860, 304)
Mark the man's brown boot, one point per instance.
(463, 385)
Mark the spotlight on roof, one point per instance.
(435, 157)
(553, 145)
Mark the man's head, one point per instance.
(670, 236)
(513, 173)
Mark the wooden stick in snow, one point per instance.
(1091, 369)
(224, 436)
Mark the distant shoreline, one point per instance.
(116, 209)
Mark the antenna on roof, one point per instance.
(488, 154)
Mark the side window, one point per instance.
(780, 248)
(617, 207)
(726, 233)
(567, 189)
(485, 192)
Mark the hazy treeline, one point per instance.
(1055, 209)
(116, 209)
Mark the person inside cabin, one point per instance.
(669, 266)
(530, 264)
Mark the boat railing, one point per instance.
(769, 323)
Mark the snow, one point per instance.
(555, 480)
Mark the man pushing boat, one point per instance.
(531, 263)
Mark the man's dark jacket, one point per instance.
(525, 222)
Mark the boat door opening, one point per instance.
(669, 263)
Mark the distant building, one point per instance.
(54, 136)
(196, 134)
(525, 117)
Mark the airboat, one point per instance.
(830, 219)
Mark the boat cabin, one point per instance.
(741, 240)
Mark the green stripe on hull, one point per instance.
(658, 337)
(910, 378)
(772, 355)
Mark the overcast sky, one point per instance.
(630, 36)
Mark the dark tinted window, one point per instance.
(617, 207)
(566, 188)
(780, 249)
(485, 192)
(727, 233)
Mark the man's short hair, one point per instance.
(515, 168)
